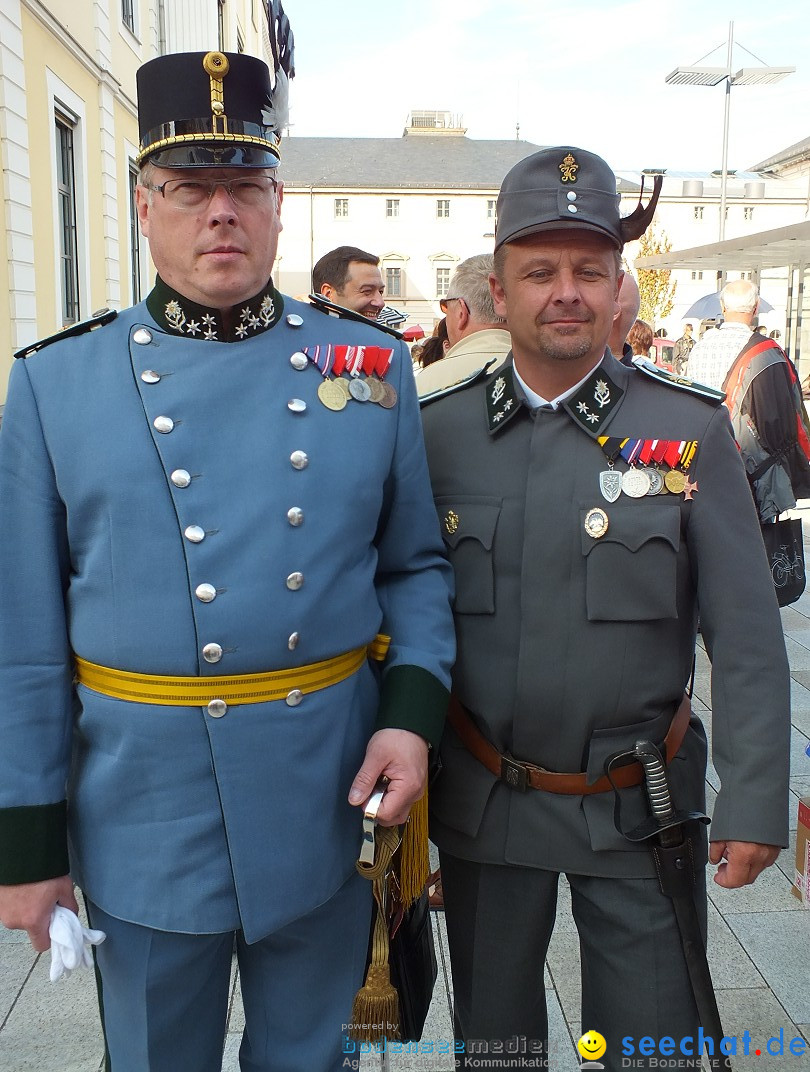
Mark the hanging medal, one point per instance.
(657, 457)
(384, 359)
(635, 482)
(358, 388)
(610, 480)
(330, 395)
(645, 457)
(675, 480)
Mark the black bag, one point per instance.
(785, 550)
(412, 960)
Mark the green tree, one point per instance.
(657, 293)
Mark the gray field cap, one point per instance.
(565, 187)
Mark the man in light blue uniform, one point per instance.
(210, 544)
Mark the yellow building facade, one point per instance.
(68, 141)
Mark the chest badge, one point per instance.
(596, 522)
(451, 522)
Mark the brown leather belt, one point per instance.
(523, 776)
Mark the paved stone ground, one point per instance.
(759, 948)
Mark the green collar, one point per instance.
(181, 316)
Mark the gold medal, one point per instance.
(342, 385)
(331, 395)
(675, 481)
(376, 388)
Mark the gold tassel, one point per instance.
(414, 859)
(375, 1012)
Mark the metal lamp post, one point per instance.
(711, 76)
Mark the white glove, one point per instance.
(70, 943)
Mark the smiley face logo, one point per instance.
(591, 1046)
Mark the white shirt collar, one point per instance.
(535, 400)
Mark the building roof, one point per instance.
(431, 162)
(793, 154)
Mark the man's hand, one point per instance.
(402, 757)
(740, 861)
(28, 907)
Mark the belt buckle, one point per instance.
(514, 774)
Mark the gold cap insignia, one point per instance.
(216, 66)
(451, 521)
(568, 168)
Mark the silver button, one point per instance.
(297, 405)
(299, 459)
(212, 653)
(194, 534)
(150, 376)
(573, 208)
(295, 516)
(206, 593)
(299, 361)
(294, 698)
(294, 581)
(294, 320)
(217, 708)
(163, 424)
(571, 195)
(142, 336)
(292, 642)
(181, 478)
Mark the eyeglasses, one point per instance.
(193, 193)
(443, 303)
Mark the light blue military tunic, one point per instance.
(177, 505)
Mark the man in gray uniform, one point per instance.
(586, 508)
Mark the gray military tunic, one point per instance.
(571, 646)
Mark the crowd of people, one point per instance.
(246, 581)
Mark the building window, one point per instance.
(748, 213)
(442, 210)
(66, 199)
(341, 208)
(698, 210)
(392, 208)
(442, 282)
(491, 209)
(393, 282)
(697, 275)
(134, 237)
(128, 14)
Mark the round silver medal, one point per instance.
(359, 390)
(635, 483)
(656, 481)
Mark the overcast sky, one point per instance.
(585, 72)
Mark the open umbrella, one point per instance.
(708, 307)
(413, 333)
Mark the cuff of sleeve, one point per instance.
(413, 699)
(33, 843)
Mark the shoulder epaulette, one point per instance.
(708, 394)
(97, 320)
(326, 306)
(468, 381)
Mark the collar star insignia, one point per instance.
(181, 316)
(594, 402)
(503, 402)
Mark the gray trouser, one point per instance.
(164, 996)
(634, 978)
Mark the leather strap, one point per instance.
(522, 776)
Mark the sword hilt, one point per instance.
(655, 777)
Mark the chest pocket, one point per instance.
(468, 528)
(631, 571)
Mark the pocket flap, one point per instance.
(468, 518)
(634, 525)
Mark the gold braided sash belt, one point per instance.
(235, 689)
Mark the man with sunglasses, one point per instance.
(476, 334)
(204, 540)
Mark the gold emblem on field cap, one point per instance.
(451, 521)
(596, 522)
(569, 168)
